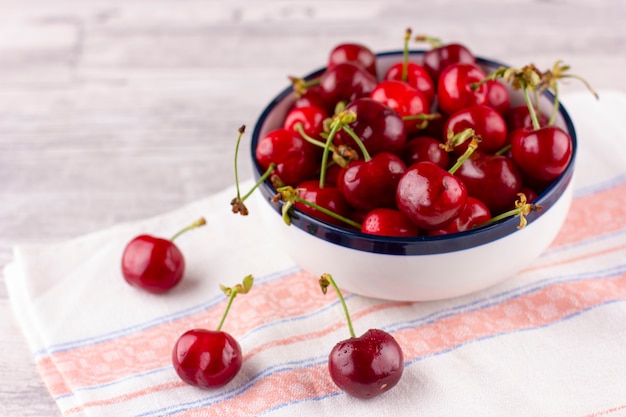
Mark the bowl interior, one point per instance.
(272, 118)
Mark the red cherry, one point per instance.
(329, 198)
(542, 154)
(430, 196)
(207, 358)
(519, 117)
(346, 82)
(296, 160)
(210, 358)
(313, 96)
(379, 127)
(486, 122)
(416, 76)
(404, 99)
(475, 213)
(154, 264)
(498, 97)
(438, 59)
(388, 222)
(353, 53)
(310, 117)
(425, 148)
(494, 179)
(367, 185)
(455, 88)
(364, 366)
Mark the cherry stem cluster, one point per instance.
(522, 209)
(200, 222)
(339, 121)
(327, 280)
(231, 293)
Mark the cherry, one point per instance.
(295, 159)
(210, 358)
(425, 148)
(371, 183)
(310, 95)
(155, 264)
(498, 97)
(379, 127)
(346, 82)
(364, 366)
(459, 87)
(310, 118)
(353, 53)
(494, 179)
(542, 154)
(388, 222)
(442, 56)
(404, 99)
(486, 123)
(475, 213)
(328, 198)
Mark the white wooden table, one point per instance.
(112, 111)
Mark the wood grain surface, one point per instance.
(112, 111)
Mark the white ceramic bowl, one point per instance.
(421, 268)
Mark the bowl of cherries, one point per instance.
(415, 175)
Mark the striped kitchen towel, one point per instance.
(550, 341)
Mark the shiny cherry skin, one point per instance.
(430, 196)
(380, 128)
(153, 264)
(327, 197)
(416, 76)
(313, 96)
(404, 99)
(346, 82)
(474, 214)
(519, 117)
(493, 179)
(367, 185)
(354, 53)
(310, 117)
(296, 159)
(368, 365)
(207, 358)
(388, 222)
(425, 148)
(454, 88)
(498, 97)
(486, 122)
(438, 59)
(542, 154)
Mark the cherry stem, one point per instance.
(300, 129)
(300, 85)
(326, 280)
(531, 109)
(290, 196)
(522, 208)
(241, 131)
(359, 142)
(468, 152)
(424, 118)
(339, 120)
(231, 293)
(200, 222)
(405, 55)
(237, 203)
(503, 150)
(555, 108)
(434, 42)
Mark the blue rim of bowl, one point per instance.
(419, 245)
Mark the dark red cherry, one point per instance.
(207, 358)
(493, 179)
(498, 97)
(542, 154)
(329, 198)
(425, 148)
(388, 222)
(346, 82)
(311, 118)
(439, 58)
(455, 89)
(475, 213)
(519, 117)
(404, 99)
(367, 185)
(313, 96)
(153, 264)
(430, 196)
(486, 122)
(380, 128)
(416, 76)
(368, 365)
(296, 159)
(354, 53)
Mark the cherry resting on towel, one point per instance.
(155, 264)
(364, 366)
(210, 358)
